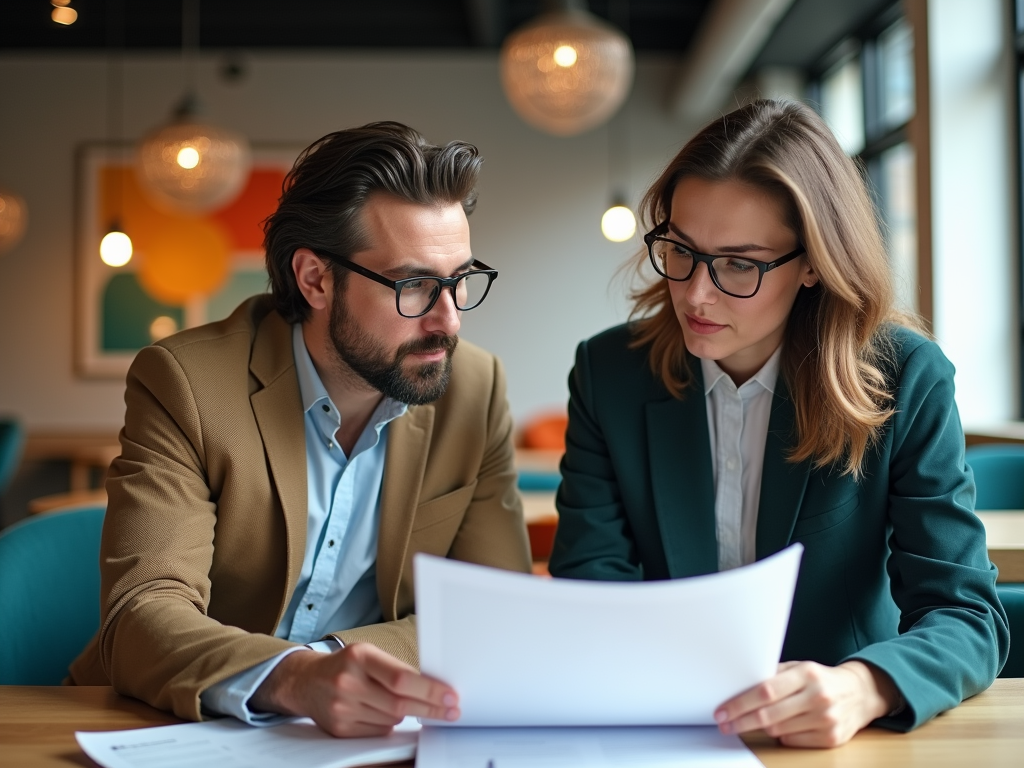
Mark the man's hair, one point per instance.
(324, 193)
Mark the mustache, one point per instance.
(429, 344)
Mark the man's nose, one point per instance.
(443, 317)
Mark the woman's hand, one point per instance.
(811, 705)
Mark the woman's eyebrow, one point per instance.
(745, 248)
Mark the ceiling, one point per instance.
(653, 25)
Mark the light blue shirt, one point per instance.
(337, 586)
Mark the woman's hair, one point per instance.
(833, 351)
(331, 181)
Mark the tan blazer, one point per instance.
(206, 524)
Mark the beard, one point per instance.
(369, 359)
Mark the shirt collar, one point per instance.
(314, 393)
(766, 377)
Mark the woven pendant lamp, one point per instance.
(566, 71)
(190, 166)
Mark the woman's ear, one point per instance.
(810, 276)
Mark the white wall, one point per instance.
(974, 203)
(541, 199)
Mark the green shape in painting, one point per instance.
(240, 287)
(131, 317)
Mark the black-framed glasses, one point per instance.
(732, 275)
(415, 296)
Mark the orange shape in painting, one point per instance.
(243, 219)
(185, 261)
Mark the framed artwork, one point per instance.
(185, 270)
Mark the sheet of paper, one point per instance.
(525, 651)
(636, 747)
(229, 743)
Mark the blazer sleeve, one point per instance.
(156, 641)
(953, 637)
(593, 540)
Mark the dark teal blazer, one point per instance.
(895, 571)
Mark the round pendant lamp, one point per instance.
(566, 71)
(13, 219)
(190, 166)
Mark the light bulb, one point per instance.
(64, 15)
(188, 158)
(116, 249)
(565, 56)
(618, 224)
(162, 327)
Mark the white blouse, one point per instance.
(738, 427)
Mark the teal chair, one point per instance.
(998, 474)
(49, 594)
(12, 440)
(1012, 598)
(999, 477)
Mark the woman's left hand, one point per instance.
(810, 705)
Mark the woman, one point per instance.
(769, 393)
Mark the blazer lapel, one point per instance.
(683, 483)
(404, 465)
(278, 411)
(782, 482)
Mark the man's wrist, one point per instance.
(277, 693)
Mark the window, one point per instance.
(865, 91)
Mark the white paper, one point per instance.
(525, 651)
(232, 744)
(677, 747)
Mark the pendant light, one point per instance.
(188, 165)
(116, 246)
(566, 71)
(13, 219)
(618, 224)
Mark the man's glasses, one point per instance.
(415, 296)
(732, 275)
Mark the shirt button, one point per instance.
(309, 607)
(731, 464)
(330, 543)
(327, 408)
(330, 445)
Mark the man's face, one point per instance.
(406, 359)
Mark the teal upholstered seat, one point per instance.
(12, 438)
(536, 480)
(49, 594)
(998, 475)
(1012, 598)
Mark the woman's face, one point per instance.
(730, 217)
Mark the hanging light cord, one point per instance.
(115, 89)
(190, 45)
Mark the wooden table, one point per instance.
(37, 726)
(1005, 532)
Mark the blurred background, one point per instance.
(107, 106)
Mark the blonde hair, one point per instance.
(834, 347)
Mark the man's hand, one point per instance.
(810, 705)
(358, 690)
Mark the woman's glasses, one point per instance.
(732, 275)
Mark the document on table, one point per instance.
(524, 651)
(636, 747)
(229, 743)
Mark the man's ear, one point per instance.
(310, 273)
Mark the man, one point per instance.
(279, 469)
